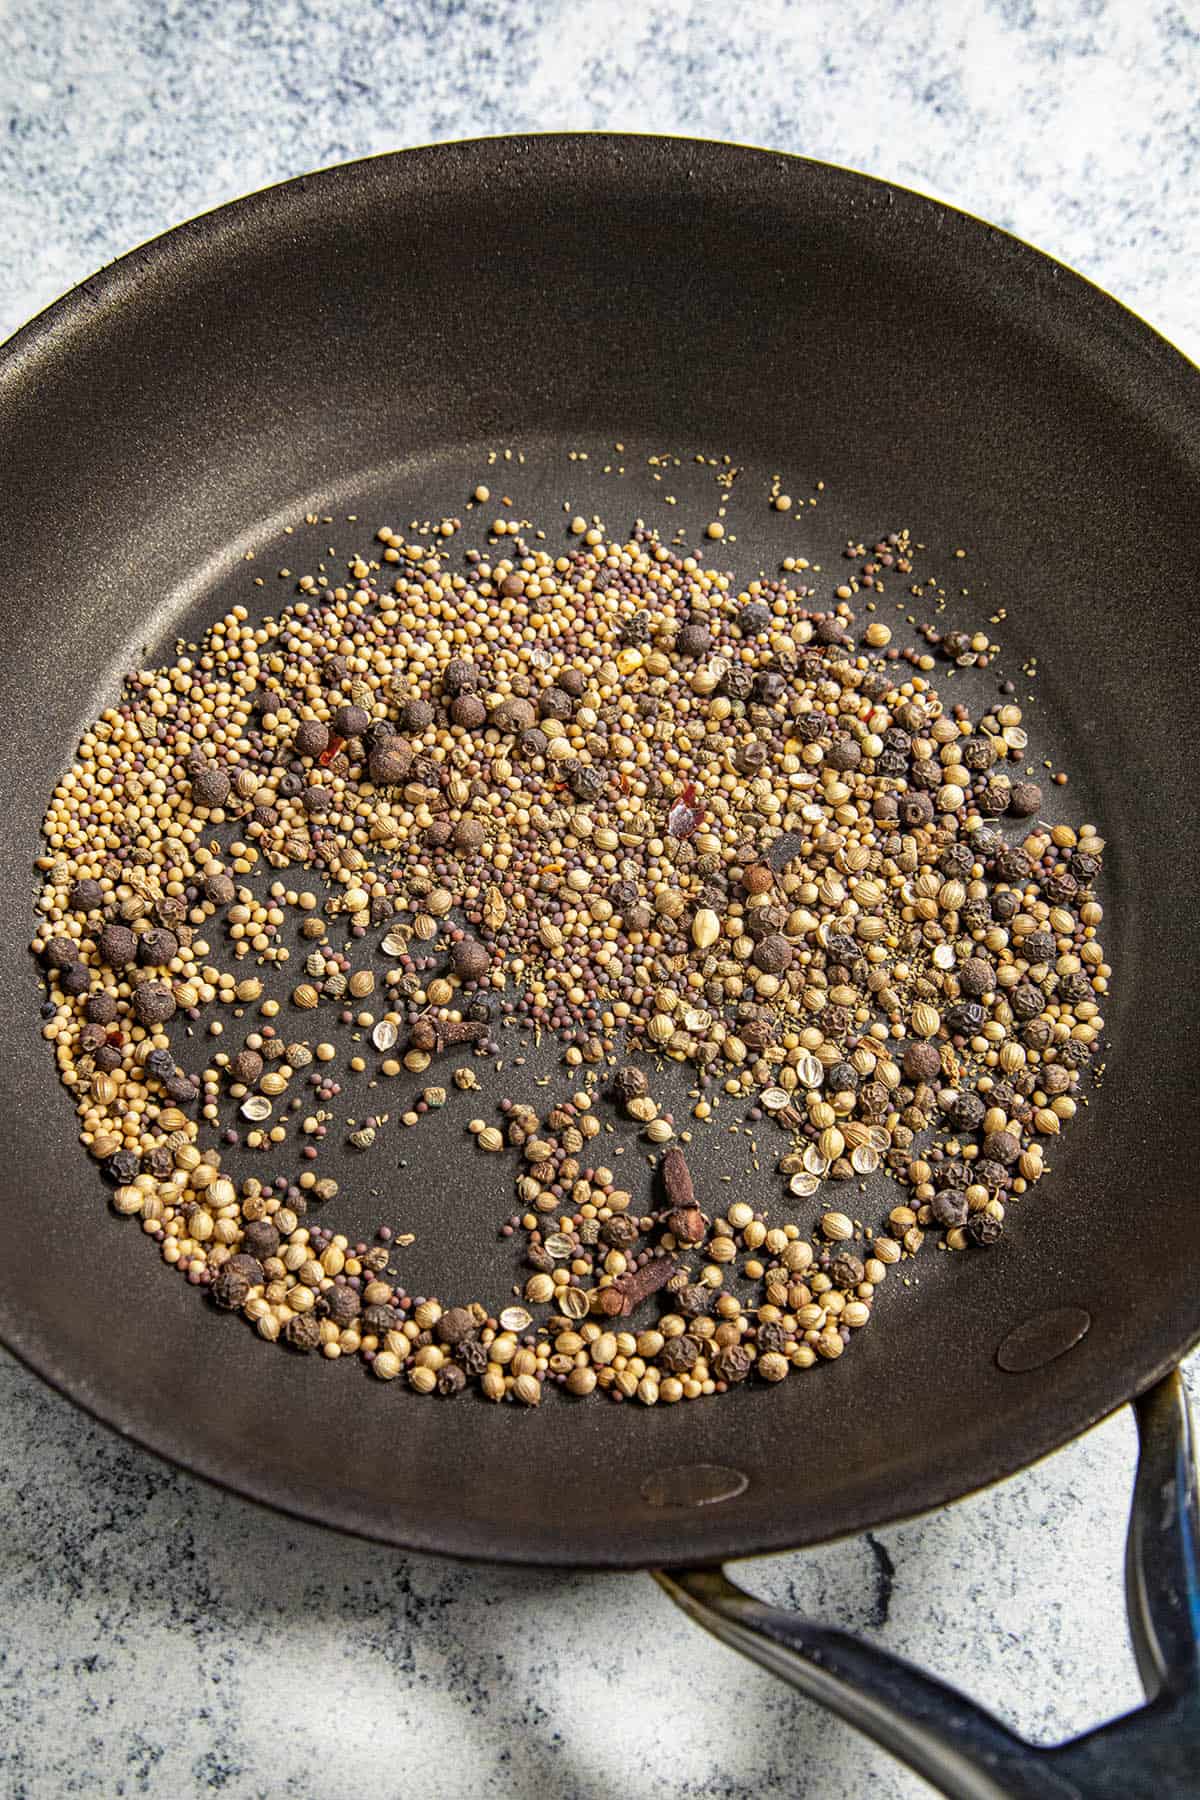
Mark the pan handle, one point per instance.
(957, 1746)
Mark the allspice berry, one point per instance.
(470, 960)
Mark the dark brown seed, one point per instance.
(86, 896)
(210, 786)
(312, 738)
(1001, 1147)
(470, 960)
(389, 764)
(686, 1224)
(984, 1230)
(117, 946)
(694, 1300)
(303, 1331)
(773, 954)
(230, 1290)
(1025, 799)
(455, 1325)
(342, 1305)
(156, 947)
(350, 721)
(153, 1002)
(246, 1066)
(629, 1083)
(260, 1239)
(679, 1354)
(922, 1062)
(976, 976)
(949, 1207)
(732, 1364)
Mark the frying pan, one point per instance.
(357, 342)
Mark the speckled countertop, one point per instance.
(155, 1636)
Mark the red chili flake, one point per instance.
(327, 755)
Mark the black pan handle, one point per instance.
(959, 1747)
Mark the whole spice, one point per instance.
(729, 825)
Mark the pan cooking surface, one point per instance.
(393, 322)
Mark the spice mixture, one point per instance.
(608, 796)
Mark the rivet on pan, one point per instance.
(699, 1484)
(1039, 1340)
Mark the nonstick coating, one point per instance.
(362, 336)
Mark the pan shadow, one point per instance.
(301, 1662)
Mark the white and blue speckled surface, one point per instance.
(159, 1638)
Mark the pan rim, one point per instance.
(723, 1539)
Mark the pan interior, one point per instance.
(363, 344)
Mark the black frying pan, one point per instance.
(353, 343)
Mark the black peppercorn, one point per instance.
(303, 1331)
(772, 1337)
(451, 1380)
(122, 1167)
(471, 1356)
(260, 1238)
(966, 1110)
(984, 1229)
(949, 1207)
(1060, 888)
(957, 862)
(845, 1272)
(620, 1231)
(679, 1354)
(1026, 1000)
(462, 676)
(630, 1083)
(586, 780)
(380, 1319)
(230, 1290)
(1012, 864)
(249, 1266)
(731, 1364)
(753, 620)
(693, 1300)
(1001, 1147)
(773, 954)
